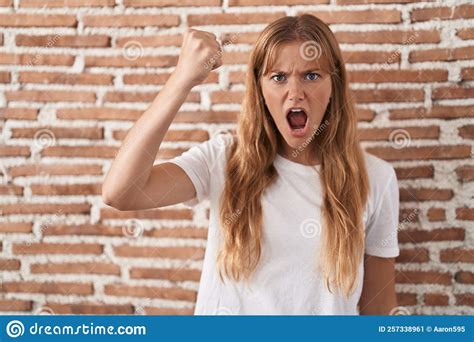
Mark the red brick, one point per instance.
(65, 288)
(167, 3)
(232, 18)
(36, 59)
(405, 76)
(370, 16)
(16, 227)
(364, 114)
(441, 54)
(465, 173)
(406, 299)
(150, 292)
(92, 133)
(161, 78)
(121, 61)
(37, 20)
(436, 214)
(452, 92)
(197, 135)
(64, 78)
(422, 153)
(275, 2)
(63, 40)
(388, 95)
(76, 267)
(438, 234)
(413, 255)
(57, 248)
(464, 277)
(11, 190)
(5, 77)
(50, 96)
(423, 277)
(369, 57)
(423, 14)
(194, 253)
(466, 132)
(151, 41)
(55, 169)
(68, 3)
(135, 96)
(425, 132)
(14, 151)
(44, 208)
(169, 311)
(457, 255)
(467, 33)
(358, 2)
(80, 151)
(99, 113)
(436, 299)
(9, 265)
(426, 194)
(19, 113)
(466, 214)
(422, 171)
(388, 37)
(465, 299)
(90, 308)
(15, 305)
(131, 20)
(165, 214)
(436, 112)
(467, 74)
(166, 274)
(66, 189)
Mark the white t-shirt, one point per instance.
(285, 281)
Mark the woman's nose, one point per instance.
(295, 91)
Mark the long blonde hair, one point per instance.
(250, 168)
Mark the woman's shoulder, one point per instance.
(377, 167)
(214, 149)
(380, 173)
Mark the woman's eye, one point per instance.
(314, 75)
(278, 80)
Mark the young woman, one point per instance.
(302, 221)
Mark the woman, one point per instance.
(302, 221)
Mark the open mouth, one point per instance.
(297, 119)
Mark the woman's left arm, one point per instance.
(378, 292)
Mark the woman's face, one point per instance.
(296, 81)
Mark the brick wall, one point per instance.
(76, 74)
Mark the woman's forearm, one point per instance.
(132, 165)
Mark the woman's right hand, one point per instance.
(200, 54)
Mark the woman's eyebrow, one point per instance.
(305, 71)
